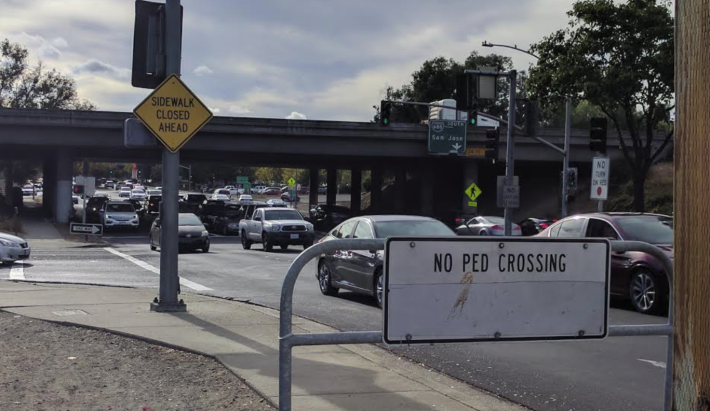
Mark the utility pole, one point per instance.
(691, 228)
(510, 150)
(169, 280)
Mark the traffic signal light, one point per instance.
(473, 118)
(532, 117)
(597, 134)
(385, 113)
(463, 99)
(492, 143)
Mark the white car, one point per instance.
(110, 184)
(119, 214)
(245, 197)
(137, 194)
(258, 189)
(232, 190)
(13, 248)
(221, 194)
(124, 192)
(28, 189)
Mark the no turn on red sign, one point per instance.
(600, 178)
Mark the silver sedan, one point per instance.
(486, 225)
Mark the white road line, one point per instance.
(17, 272)
(183, 281)
(658, 364)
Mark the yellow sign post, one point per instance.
(472, 192)
(173, 113)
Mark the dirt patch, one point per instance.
(49, 367)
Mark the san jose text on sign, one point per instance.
(471, 289)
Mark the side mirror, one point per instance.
(373, 252)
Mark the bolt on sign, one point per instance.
(444, 289)
(173, 113)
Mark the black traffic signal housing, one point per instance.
(597, 134)
(532, 118)
(473, 118)
(463, 90)
(385, 113)
(492, 143)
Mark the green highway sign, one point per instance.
(447, 137)
(242, 179)
(247, 186)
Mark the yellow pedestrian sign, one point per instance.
(472, 192)
(173, 113)
(291, 182)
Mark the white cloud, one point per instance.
(203, 70)
(215, 110)
(295, 115)
(60, 42)
(38, 44)
(236, 109)
(99, 67)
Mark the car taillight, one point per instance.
(516, 228)
(497, 227)
(458, 220)
(543, 225)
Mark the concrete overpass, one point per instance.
(58, 137)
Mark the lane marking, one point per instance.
(17, 272)
(183, 281)
(658, 364)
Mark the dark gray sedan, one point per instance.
(192, 234)
(361, 270)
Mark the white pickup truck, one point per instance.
(276, 226)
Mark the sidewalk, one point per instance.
(244, 338)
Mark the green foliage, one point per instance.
(619, 58)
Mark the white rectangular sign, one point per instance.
(448, 289)
(600, 178)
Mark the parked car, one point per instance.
(192, 234)
(635, 276)
(271, 191)
(325, 217)
(94, 205)
(361, 270)
(124, 192)
(209, 210)
(486, 225)
(192, 201)
(119, 214)
(533, 226)
(153, 203)
(221, 194)
(322, 190)
(258, 189)
(276, 226)
(137, 194)
(13, 248)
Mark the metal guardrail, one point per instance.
(288, 340)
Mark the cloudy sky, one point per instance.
(314, 59)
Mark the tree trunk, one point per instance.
(639, 180)
(691, 356)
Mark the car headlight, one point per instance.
(275, 227)
(8, 243)
(135, 216)
(309, 227)
(205, 233)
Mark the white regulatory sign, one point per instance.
(444, 289)
(600, 178)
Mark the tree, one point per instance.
(619, 58)
(436, 80)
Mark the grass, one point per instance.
(659, 191)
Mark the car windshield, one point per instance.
(411, 228)
(647, 228)
(125, 189)
(225, 192)
(283, 215)
(188, 219)
(121, 208)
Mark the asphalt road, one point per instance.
(615, 374)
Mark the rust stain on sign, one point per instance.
(463, 296)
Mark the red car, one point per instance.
(636, 276)
(272, 191)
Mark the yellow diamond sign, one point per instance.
(173, 113)
(473, 192)
(291, 182)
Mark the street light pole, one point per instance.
(568, 127)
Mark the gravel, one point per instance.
(45, 366)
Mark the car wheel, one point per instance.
(246, 243)
(379, 288)
(646, 295)
(483, 232)
(265, 242)
(152, 246)
(206, 248)
(284, 247)
(324, 279)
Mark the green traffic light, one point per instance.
(387, 121)
(473, 121)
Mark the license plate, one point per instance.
(294, 236)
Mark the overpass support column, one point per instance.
(313, 183)
(427, 192)
(356, 191)
(400, 190)
(63, 175)
(332, 186)
(470, 175)
(376, 190)
(49, 186)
